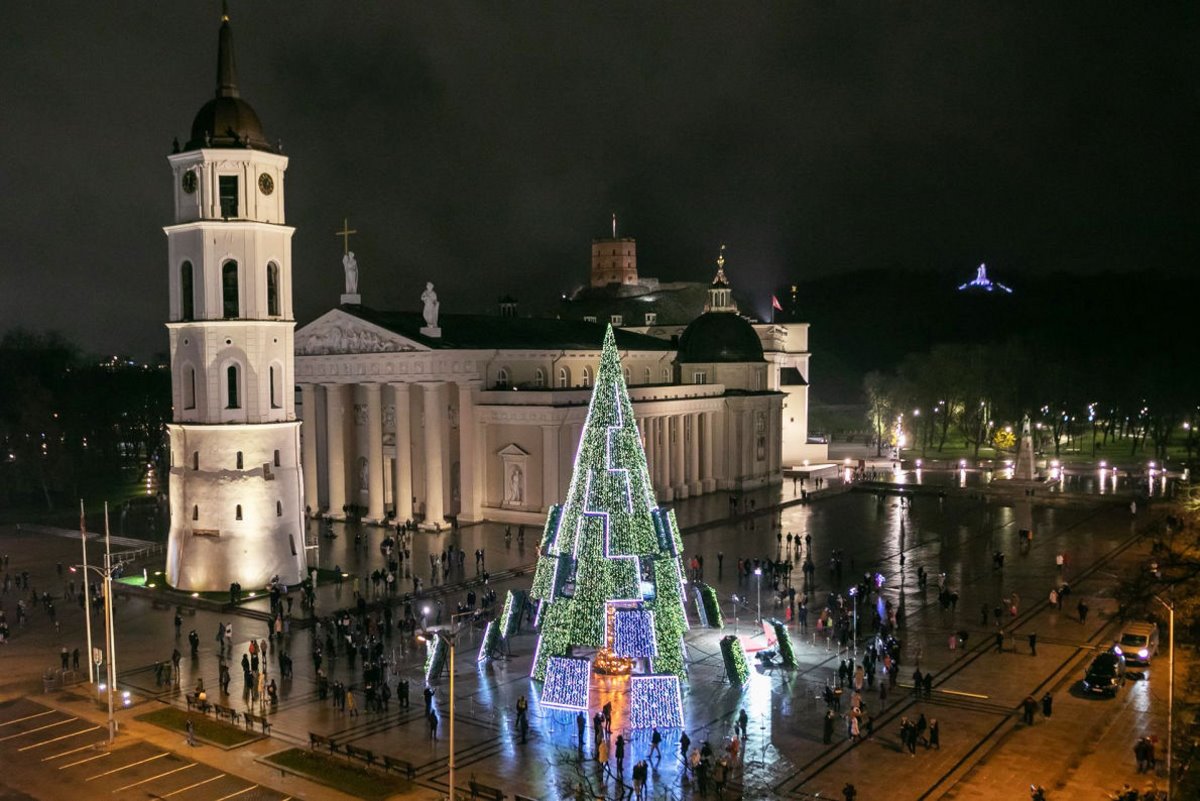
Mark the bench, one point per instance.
(401, 766)
(252, 719)
(483, 791)
(225, 712)
(193, 700)
(361, 754)
(319, 741)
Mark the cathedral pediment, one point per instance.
(339, 333)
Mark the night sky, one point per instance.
(482, 145)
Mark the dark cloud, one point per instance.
(484, 144)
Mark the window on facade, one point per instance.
(279, 508)
(539, 378)
(617, 319)
(586, 379)
(189, 388)
(564, 377)
(651, 318)
(273, 289)
(195, 460)
(273, 375)
(187, 298)
(277, 457)
(502, 379)
(626, 372)
(646, 376)
(195, 512)
(232, 401)
(238, 512)
(756, 382)
(589, 318)
(230, 303)
(227, 188)
(699, 377)
(666, 375)
(239, 460)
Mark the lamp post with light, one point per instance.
(758, 575)
(1170, 698)
(448, 636)
(110, 640)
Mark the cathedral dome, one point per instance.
(719, 337)
(227, 120)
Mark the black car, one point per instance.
(1106, 674)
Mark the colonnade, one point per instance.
(680, 453)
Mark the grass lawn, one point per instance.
(213, 731)
(373, 785)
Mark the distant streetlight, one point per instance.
(736, 601)
(448, 636)
(758, 575)
(854, 595)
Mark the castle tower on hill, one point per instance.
(614, 260)
(236, 490)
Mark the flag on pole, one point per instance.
(775, 304)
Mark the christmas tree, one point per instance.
(609, 573)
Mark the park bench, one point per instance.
(484, 791)
(401, 766)
(361, 754)
(252, 719)
(225, 712)
(193, 700)
(320, 741)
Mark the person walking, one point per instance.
(742, 722)
(1047, 704)
(433, 724)
(935, 740)
(1082, 608)
(655, 743)
(191, 733)
(580, 727)
(619, 752)
(999, 640)
(350, 705)
(1033, 644)
(1028, 706)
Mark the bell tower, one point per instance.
(236, 490)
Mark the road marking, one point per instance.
(239, 792)
(191, 786)
(39, 728)
(56, 739)
(124, 767)
(72, 751)
(159, 776)
(29, 717)
(960, 692)
(80, 762)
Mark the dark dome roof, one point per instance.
(719, 337)
(227, 122)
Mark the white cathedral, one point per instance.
(416, 415)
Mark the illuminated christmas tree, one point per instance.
(609, 573)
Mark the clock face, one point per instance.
(266, 184)
(188, 182)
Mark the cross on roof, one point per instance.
(345, 235)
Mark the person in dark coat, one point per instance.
(1047, 704)
(1028, 706)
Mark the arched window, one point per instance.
(279, 508)
(232, 400)
(274, 381)
(273, 289)
(626, 371)
(502, 378)
(239, 460)
(586, 379)
(666, 375)
(195, 512)
(189, 387)
(230, 304)
(187, 298)
(646, 376)
(564, 377)
(238, 512)
(539, 378)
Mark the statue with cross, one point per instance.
(349, 264)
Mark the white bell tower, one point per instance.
(237, 494)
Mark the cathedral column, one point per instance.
(706, 476)
(694, 485)
(651, 459)
(435, 421)
(335, 438)
(678, 474)
(374, 452)
(549, 465)
(402, 475)
(468, 465)
(308, 445)
(662, 430)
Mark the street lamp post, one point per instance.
(110, 637)
(758, 575)
(449, 637)
(736, 600)
(1170, 698)
(854, 595)
(87, 595)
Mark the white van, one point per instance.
(1138, 643)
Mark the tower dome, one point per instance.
(719, 337)
(227, 120)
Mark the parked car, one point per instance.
(1106, 674)
(1138, 643)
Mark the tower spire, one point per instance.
(226, 67)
